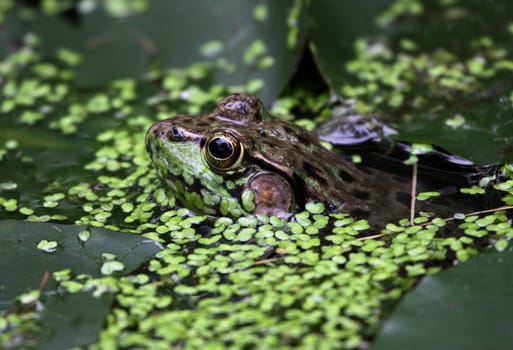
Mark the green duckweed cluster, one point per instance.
(396, 73)
(312, 281)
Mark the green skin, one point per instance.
(260, 165)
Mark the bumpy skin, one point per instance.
(240, 160)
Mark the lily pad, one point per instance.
(421, 66)
(71, 319)
(19, 252)
(465, 307)
(246, 41)
(335, 25)
(65, 325)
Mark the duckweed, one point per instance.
(47, 246)
(312, 280)
(109, 267)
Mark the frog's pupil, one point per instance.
(220, 148)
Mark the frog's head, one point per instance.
(210, 164)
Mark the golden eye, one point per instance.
(223, 151)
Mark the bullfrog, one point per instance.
(241, 160)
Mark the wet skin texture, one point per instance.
(240, 160)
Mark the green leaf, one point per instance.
(465, 307)
(27, 263)
(336, 24)
(439, 72)
(175, 33)
(71, 319)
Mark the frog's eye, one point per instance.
(223, 151)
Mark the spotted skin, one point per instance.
(277, 167)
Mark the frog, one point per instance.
(241, 160)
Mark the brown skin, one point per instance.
(285, 166)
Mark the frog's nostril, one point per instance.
(175, 133)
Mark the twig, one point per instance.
(370, 237)
(265, 261)
(44, 281)
(506, 207)
(413, 193)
